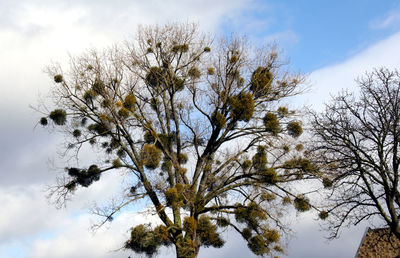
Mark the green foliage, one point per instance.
(242, 106)
(166, 166)
(271, 123)
(323, 215)
(257, 245)
(148, 137)
(99, 128)
(234, 59)
(59, 116)
(117, 163)
(165, 140)
(270, 176)
(246, 233)
(58, 78)
(114, 143)
(251, 215)
(285, 148)
(180, 48)
(43, 121)
(171, 195)
(218, 120)
(327, 182)
(82, 177)
(260, 159)
(178, 83)
(222, 222)
(261, 81)
(182, 158)
(161, 234)
(76, 133)
(207, 167)
(129, 102)
(268, 197)
(278, 249)
(190, 225)
(98, 86)
(154, 77)
(294, 129)
(272, 235)
(206, 231)
(187, 248)
(207, 49)
(304, 164)
(246, 164)
(301, 203)
(143, 240)
(286, 200)
(194, 72)
(151, 156)
(105, 103)
(299, 147)
(283, 111)
(89, 95)
(121, 153)
(123, 112)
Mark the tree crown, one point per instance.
(198, 127)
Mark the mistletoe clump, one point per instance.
(271, 123)
(218, 119)
(83, 177)
(59, 116)
(301, 203)
(154, 77)
(147, 241)
(261, 81)
(151, 156)
(294, 129)
(208, 234)
(242, 106)
(129, 102)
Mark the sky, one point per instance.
(333, 42)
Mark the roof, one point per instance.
(378, 243)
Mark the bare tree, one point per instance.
(197, 127)
(356, 140)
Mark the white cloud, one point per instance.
(75, 240)
(24, 213)
(391, 19)
(332, 79)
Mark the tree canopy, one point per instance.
(356, 140)
(200, 128)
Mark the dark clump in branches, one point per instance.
(242, 106)
(195, 124)
(83, 177)
(59, 116)
(261, 81)
(145, 240)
